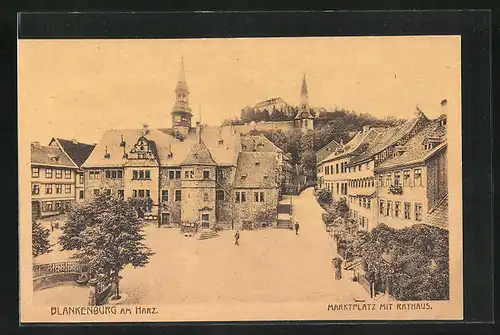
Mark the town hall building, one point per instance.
(199, 175)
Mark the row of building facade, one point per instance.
(200, 174)
(396, 176)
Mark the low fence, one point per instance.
(46, 275)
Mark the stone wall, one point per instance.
(171, 206)
(248, 210)
(102, 183)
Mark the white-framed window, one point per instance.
(397, 208)
(417, 177)
(107, 191)
(58, 174)
(67, 174)
(35, 189)
(164, 195)
(388, 180)
(382, 207)
(58, 188)
(397, 176)
(389, 208)
(48, 205)
(206, 174)
(418, 212)
(178, 195)
(406, 178)
(81, 194)
(81, 178)
(48, 173)
(35, 172)
(205, 196)
(67, 188)
(94, 174)
(407, 210)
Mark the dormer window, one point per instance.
(125, 155)
(443, 122)
(221, 141)
(243, 176)
(257, 163)
(107, 155)
(55, 158)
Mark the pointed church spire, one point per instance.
(303, 92)
(182, 75)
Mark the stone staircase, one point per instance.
(204, 234)
(284, 224)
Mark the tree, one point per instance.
(40, 239)
(324, 197)
(107, 235)
(266, 216)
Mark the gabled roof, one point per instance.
(387, 138)
(327, 150)
(199, 155)
(438, 216)
(50, 156)
(77, 151)
(256, 170)
(357, 145)
(414, 149)
(169, 150)
(258, 143)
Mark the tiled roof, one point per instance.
(77, 151)
(50, 155)
(414, 149)
(327, 150)
(387, 138)
(223, 152)
(199, 155)
(256, 170)
(357, 145)
(438, 216)
(258, 143)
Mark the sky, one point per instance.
(77, 89)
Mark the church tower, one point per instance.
(181, 113)
(304, 120)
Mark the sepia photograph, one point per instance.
(240, 179)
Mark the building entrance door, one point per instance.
(205, 220)
(165, 219)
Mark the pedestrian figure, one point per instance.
(337, 264)
(297, 228)
(51, 225)
(237, 238)
(57, 224)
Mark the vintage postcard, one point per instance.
(240, 179)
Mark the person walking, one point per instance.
(237, 238)
(52, 225)
(337, 263)
(297, 228)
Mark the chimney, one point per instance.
(444, 107)
(365, 129)
(74, 141)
